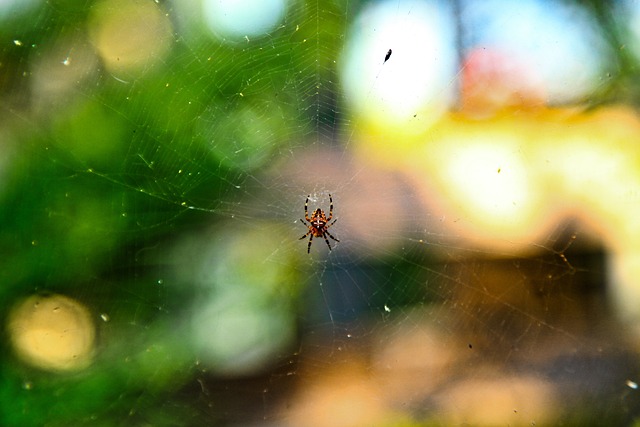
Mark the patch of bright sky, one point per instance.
(419, 74)
(557, 40)
(241, 18)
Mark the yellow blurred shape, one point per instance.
(52, 332)
(342, 396)
(509, 401)
(491, 181)
(503, 182)
(130, 35)
(509, 178)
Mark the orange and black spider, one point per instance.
(319, 226)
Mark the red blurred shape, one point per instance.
(495, 80)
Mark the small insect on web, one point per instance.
(387, 56)
(318, 223)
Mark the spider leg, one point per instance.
(331, 236)
(305, 235)
(329, 225)
(310, 240)
(330, 208)
(326, 240)
(306, 213)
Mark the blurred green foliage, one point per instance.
(110, 169)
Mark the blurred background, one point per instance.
(480, 159)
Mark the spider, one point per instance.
(319, 226)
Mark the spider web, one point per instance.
(176, 189)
